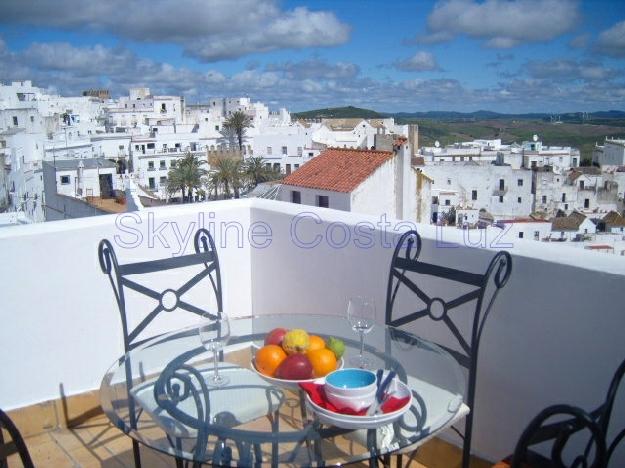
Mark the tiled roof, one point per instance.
(342, 124)
(614, 219)
(338, 170)
(567, 223)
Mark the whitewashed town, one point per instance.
(70, 157)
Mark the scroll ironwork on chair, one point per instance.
(596, 453)
(15, 445)
(406, 267)
(167, 300)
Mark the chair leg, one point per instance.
(179, 463)
(466, 445)
(136, 453)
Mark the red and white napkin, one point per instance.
(318, 396)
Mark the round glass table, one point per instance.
(158, 395)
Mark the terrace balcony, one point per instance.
(555, 334)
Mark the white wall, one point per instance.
(336, 200)
(60, 320)
(377, 195)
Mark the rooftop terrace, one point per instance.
(555, 334)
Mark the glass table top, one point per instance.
(157, 394)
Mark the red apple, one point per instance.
(275, 336)
(295, 367)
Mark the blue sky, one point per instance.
(502, 55)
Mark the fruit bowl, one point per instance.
(291, 384)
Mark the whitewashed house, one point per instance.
(379, 183)
(79, 178)
(572, 227)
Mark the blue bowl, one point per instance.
(351, 381)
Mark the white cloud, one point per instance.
(612, 41)
(71, 69)
(209, 30)
(419, 62)
(316, 68)
(501, 23)
(569, 70)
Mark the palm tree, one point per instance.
(187, 174)
(237, 124)
(257, 171)
(229, 174)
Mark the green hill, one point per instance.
(338, 113)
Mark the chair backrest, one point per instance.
(406, 261)
(15, 445)
(541, 431)
(169, 299)
(596, 422)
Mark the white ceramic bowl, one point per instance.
(351, 382)
(354, 402)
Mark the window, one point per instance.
(501, 184)
(276, 166)
(566, 206)
(581, 185)
(310, 155)
(521, 235)
(544, 199)
(288, 169)
(474, 195)
(296, 197)
(518, 199)
(162, 165)
(284, 150)
(151, 183)
(563, 197)
(536, 235)
(299, 151)
(447, 202)
(150, 145)
(296, 167)
(173, 163)
(448, 181)
(519, 182)
(121, 147)
(269, 150)
(150, 165)
(322, 201)
(32, 119)
(15, 120)
(586, 203)
(500, 199)
(216, 126)
(64, 180)
(268, 165)
(163, 180)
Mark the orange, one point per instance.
(323, 361)
(316, 342)
(268, 358)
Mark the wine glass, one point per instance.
(361, 316)
(214, 334)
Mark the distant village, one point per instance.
(71, 157)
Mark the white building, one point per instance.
(612, 153)
(501, 190)
(572, 227)
(363, 181)
(80, 178)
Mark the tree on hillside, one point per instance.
(237, 124)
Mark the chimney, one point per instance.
(413, 139)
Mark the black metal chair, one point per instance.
(14, 445)
(168, 300)
(407, 269)
(596, 453)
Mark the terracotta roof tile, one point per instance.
(614, 219)
(338, 170)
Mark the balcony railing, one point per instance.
(540, 345)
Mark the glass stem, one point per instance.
(216, 377)
(362, 343)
